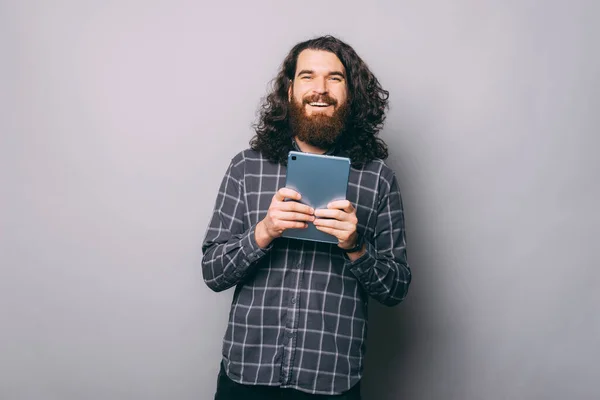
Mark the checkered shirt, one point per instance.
(298, 317)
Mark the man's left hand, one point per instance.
(338, 219)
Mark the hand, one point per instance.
(342, 224)
(283, 215)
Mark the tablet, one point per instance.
(320, 179)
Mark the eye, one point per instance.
(336, 78)
(305, 77)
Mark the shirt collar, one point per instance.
(329, 152)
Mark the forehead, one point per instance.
(319, 61)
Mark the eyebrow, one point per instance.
(331, 73)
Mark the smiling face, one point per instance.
(319, 83)
(318, 98)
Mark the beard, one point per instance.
(319, 130)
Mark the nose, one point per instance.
(320, 86)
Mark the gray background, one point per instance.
(118, 121)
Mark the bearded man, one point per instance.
(298, 321)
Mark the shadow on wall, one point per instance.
(393, 342)
(408, 345)
(392, 347)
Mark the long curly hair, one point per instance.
(368, 102)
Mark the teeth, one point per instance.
(319, 104)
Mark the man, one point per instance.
(298, 320)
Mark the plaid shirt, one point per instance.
(298, 317)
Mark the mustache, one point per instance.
(316, 98)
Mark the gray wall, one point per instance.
(118, 121)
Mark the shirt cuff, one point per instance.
(250, 247)
(365, 262)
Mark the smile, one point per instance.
(319, 104)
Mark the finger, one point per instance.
(333, 223)
(294, 216)
(344, 205)
(287, 193)
(296, 207)
(335, 214)
(331, 231)
(283, 225)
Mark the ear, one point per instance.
(290, 87)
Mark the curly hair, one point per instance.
(368, 102)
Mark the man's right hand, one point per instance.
(283, 215)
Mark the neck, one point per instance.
(307, 148)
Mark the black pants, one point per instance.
(230, 390)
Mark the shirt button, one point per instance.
(293, 300)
